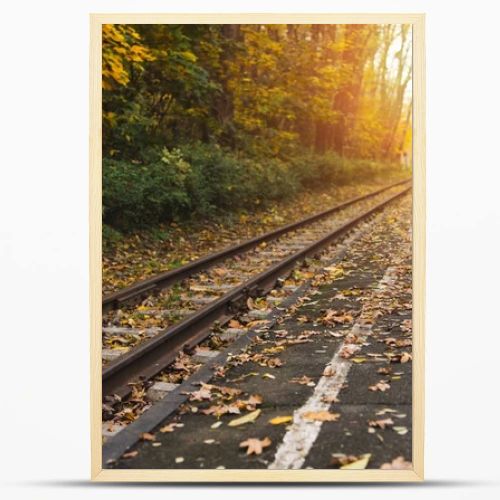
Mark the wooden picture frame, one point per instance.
(98, 473)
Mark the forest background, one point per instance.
(200, 120)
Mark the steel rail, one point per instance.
(149, 358)
(145, 287)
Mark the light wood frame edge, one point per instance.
(419, 247)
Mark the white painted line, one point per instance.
(302, 433)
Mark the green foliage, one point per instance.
(203, 180)
(136, 195)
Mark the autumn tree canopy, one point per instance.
(259, 92)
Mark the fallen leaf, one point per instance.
(321, 416)
(381, 386)
(274, 350)
(329, 399)
(405, 357)
(400, 430)
(219, 410)
(219, 271)
(255, 445)
(304, 380)
(334, 272)
(382, 423)
(339, 459)
(398, 463)
(329, 371)
(385, 410)
(179, 460)
(146, 436)
(130, 454)
(358, 360)
(250, 403)
(245, 419)
(281, 420)
(358, 464)
(216, 425)
(348, 350)
(258, 322)
(227, 391)
(170, 427)
(202, 394)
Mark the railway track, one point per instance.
(208, 295)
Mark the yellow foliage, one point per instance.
(120, 45)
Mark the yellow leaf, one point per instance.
(281, 420)
(334, 272)
(189, 56)
(321, 416)
(358, 360)
(245, 419)
(358, 464)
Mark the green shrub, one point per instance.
(136, 195)
(202, 180)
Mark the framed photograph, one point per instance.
(257, 232)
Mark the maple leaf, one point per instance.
(255, 445)
(146, 436)
(250, 403)
(200, 395)
(398, 463)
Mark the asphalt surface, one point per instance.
(358, 292)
